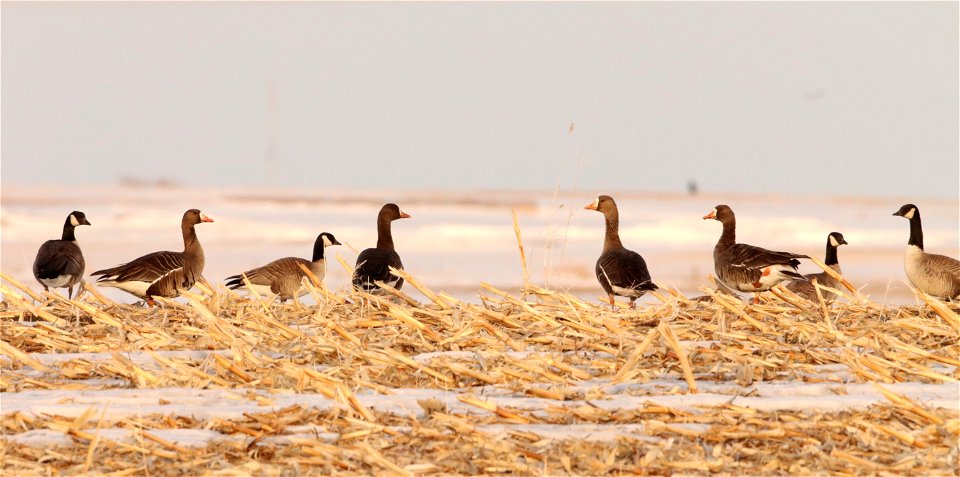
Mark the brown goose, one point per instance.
(284, 277)
(620, 271)
(747, 268)
(163, 274)
(59, 263)
(373, 264)
(805, 288)
(933, 274)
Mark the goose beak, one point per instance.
(898, 213)
(85, 222)
(404, 215)
(204, 218)
(711, 215)
(593, 205)
(335, 242)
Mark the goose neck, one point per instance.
(384, 235)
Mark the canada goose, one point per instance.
(285, 277)
(745, 267)
(805, 288)
(620, 271)
(163, 274)
(933, 274)
(59, 263)
(373, 264)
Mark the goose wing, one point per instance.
(374, 264)
(749, 256)
(172, 283)
(941, 272)
(148, 268)
(623, 268)
(57, 258)
(750, 268)
(271, 273)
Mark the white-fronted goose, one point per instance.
(620, 271)
(285, 277)
(747, 268)
(933, 274)
(373, 264)
(59, 263)
(163, 274)
(805, 288)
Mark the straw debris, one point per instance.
(535, 382)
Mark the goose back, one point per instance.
(60, 263)
(933, 274)
(623, 272)
(373, 265)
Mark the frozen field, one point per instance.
(480, 379)
(546, 384)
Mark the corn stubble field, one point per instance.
(539, 382)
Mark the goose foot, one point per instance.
(613, 303)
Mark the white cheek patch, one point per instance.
(909, 215)
(326, 241)
(596, 203)
(833, 241)
(73, 221)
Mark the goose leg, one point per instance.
(756, 298)
(633, 303)
(613, 304)
(70, 293)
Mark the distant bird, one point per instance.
(285, 277)
(163, 274)
(621, 272)
(373, 264)
(59, 263)
(806, 289)
(936, 275)
(747, 268)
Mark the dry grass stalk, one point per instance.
(523, 255)
(667, 333)
(556, 347)
(836, 276)
(421, 287)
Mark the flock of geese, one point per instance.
(620, 271)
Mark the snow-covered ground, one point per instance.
(110, 403)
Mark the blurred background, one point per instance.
(284, 120)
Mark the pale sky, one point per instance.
(799, 98)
